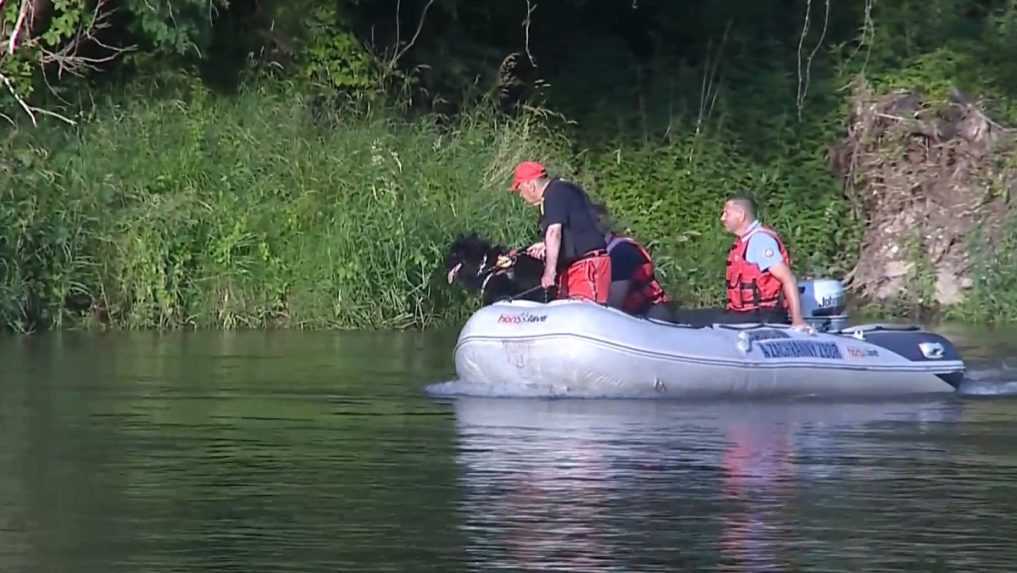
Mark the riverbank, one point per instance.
(197, 210)
(176, 207)
(305, 164)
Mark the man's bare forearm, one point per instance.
(552, 247)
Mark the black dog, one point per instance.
(476, 264)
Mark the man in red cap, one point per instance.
(574, 252)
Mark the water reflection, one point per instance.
(224, 452)
(319, 452)
(626, 485)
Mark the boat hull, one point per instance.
(579, 349)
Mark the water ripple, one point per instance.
(190, 454)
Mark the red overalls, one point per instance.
(644, 291)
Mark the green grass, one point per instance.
(242, 212)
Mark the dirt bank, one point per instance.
(928, 178)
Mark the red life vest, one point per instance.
(748, 288)
(644, 290)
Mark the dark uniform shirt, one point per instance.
(567, 204)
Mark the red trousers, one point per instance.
(588, 278)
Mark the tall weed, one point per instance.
(218, 212)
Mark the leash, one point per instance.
(528, 291)
(503, 263)
(506, 262)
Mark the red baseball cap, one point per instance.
(527, 171)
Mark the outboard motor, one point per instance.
(823, 304)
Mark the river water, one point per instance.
(290, 451)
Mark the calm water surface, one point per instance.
(321, 452)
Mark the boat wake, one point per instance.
(1001, 381)
(458, 388)
(982, 382)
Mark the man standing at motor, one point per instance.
(574, 252)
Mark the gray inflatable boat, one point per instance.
(581, 349)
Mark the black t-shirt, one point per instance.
(625, 259)
(567, 204)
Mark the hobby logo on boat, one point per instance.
(800, 349)
(523, 318)
(861, 352)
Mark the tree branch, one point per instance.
(66, 58)
(50, 113)
(22, 14)
(420, 26)
(398, 38)
(530, 8)
(708, 90)
(803, 82)
(801, 43)
(17, 97)
(870, 29)
(30, 110)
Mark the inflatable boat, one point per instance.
(572, 348)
